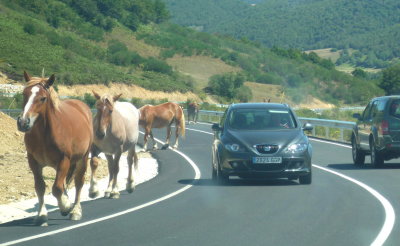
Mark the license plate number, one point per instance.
(263, 160)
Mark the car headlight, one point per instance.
(234, 147)
(297, 148)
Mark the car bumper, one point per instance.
(242, 166)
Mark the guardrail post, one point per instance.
(327, 132)
(341, 135)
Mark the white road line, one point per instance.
(390, 215)
(69, 228)
(389, 211)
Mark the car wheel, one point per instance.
(217, 175)
(358, 154)
(306, 179)
(376, 157)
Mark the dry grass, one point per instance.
(127, 37)
(326, 54)
(200, 68)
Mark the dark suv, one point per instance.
(377, 132)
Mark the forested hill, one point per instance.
(133, 42)
(367, 31)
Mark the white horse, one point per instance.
(116, 130)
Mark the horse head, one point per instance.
(37, 94)
(105, 107)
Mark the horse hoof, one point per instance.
(130, 188)
(93, 194)
(107, 195)
(75, 216)
(41, 220)
(114, 195)
(65, 213)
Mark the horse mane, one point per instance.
(55, 100)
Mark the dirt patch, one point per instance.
(16, 178)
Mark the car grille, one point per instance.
(266, 148)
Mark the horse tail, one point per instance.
(183, 124)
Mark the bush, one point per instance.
(153, 64)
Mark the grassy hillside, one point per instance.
(160, 56)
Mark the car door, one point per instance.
(364, 126)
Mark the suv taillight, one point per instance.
(384, 129)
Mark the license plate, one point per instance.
(263, 160)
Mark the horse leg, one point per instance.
(168, 137)
(132, 159)
(110, 162)
(115, 192)
(94, 163)
(154, 141)
(76, 213)
(58, 187)
(40, 187)
(177, 126)
(146, 135)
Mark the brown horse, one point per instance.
(193, 112)
(58, 134)
(159, 116)
(116, 128)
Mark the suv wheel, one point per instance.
(358, 154)
(376, 157)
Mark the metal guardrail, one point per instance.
(327, 129)
(344, 128)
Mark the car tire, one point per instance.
(357, 153)
(217, 175)
(376, 157)
(306, 179)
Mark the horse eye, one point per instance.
(43, 99)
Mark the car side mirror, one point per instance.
(307, 127)
(216, 127)
(357, 116)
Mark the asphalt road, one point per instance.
(345, 205)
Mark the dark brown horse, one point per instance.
(193, 111)
(116, 128)
(58, 134)
(159, 116)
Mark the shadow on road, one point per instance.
(366, 166)
(240, 182)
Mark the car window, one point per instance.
(375, 110)
(366, 113)
(223, 117)
(394, 109)
(261, 119)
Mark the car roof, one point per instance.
(387, 97)
(259, 106)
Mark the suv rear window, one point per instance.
(394, 109)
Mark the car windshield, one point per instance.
(261, 119)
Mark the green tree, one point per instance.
(390, 82)
(358, 72)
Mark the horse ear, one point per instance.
(117, 97)
(27, 76)
(50, 81)
(97, 96)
